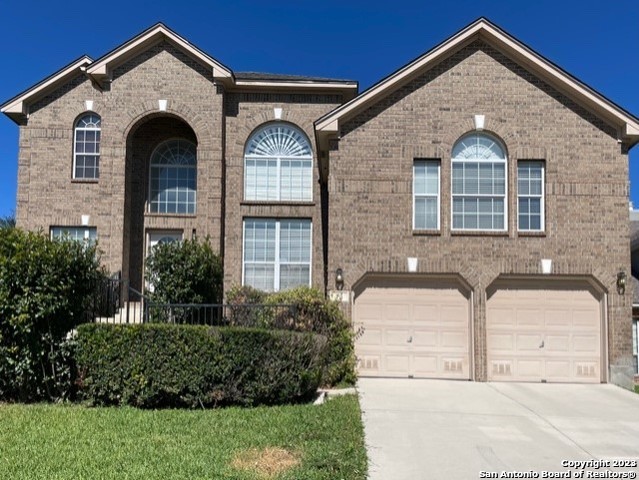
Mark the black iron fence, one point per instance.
(117, 302)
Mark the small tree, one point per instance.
(184, 272)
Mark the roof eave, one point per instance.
(17, 108)
(626, 124)
(101, 69)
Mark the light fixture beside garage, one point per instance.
(339, 279)
(621, 282)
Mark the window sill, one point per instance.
(479, 233)
(169, 215)
(524, 233)
(427, 233)
(85, 180)
(276, 203)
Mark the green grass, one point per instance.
(73, 442)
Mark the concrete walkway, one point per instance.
(439, 429)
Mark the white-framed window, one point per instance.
(173, 177)
(76, 234)
(277, 253)
(86, 147)
(530, 195)
(278, 165)
(479, 184)
(426, 190)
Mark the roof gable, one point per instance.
(628, 125)
(101, 69)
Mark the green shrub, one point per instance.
(310, 312)
(316, 313)
(185, 272)
(45, 287)
(157, 365)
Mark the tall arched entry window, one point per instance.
(173, 178)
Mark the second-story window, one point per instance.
(173, 182)
(86, 147)
(278, 165)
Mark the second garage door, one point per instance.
(412, 328)
(544, 331)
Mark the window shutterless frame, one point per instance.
(173, 178)
(86, 147)
(418, 163)
(278, 165)
(478, 151)
(76, 234)
(276, 262)
(527, 193)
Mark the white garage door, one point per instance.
(544, 332)
(412, 328)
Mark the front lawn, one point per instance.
(53, 442)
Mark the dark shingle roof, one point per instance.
(285, 77)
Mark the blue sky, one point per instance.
(362, 40)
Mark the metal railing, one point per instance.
(115, 301)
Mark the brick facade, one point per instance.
(365, 199)
(370, 187)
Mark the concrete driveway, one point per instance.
(440, 429)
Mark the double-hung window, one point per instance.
(86, 147)
(530, 196)
(479, 184)
(277, 253)
(278, 165)
(426, 194)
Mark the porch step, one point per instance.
(130, 310)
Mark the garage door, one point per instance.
(412, 328)
(544, 332)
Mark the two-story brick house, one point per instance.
(469, 210)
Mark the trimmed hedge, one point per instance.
(314, 313)
(157, 365)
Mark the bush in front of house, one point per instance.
(183, 272)
(310, 312)
(45, 287)
(160, 365)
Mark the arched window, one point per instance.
(278, 165)
(173, 175)
(479, 183)
(86, 147)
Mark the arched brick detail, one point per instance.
(149, 109)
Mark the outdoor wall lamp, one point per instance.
(621, 282)
(339, 279)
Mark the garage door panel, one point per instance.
(497, 342)
(557, 343)
(529, 369)
(423, 328)
(454, 340)
(564, 347)
(396, 337)
(528, 317)
(371, 336)
(528, 342)
(424, 338)
(396, 313)
(396, 364)
(586, 344)
(558, 318)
